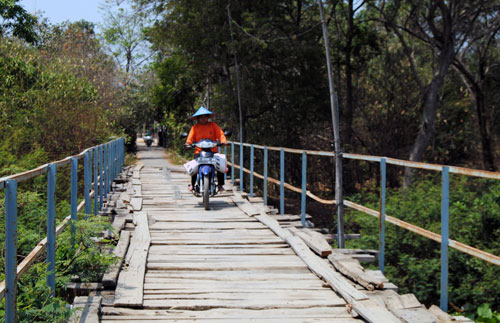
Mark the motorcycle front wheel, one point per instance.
(206, 191)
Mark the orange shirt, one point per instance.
(208, 131)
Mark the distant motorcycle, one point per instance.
(206, 165)
(148, 140)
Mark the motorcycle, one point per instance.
(148, 140)
(205, 166)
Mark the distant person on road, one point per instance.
(205, 129)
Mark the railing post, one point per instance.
(96, 186)
(445, 204)
(232, 163)
(265, 175)
(74, 195)
(106, 168)
(225, 154)
(381, 222)
(304, 190)
(282, 181)
(251, 170)
(51, 228)
(86, 180)
(102, 176)
(241, 167)
(11, 251)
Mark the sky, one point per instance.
(58, 11)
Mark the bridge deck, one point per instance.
(220, 264)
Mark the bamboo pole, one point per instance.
(336, 133)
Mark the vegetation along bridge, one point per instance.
(240, 260)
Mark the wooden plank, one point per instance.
(315, 264)
(369, 309)
(257, 304)
(86, 309)
(137, 190)
(110, 277)
(246, 275)
(161, 250)
(270, 295)
(221, 313)
(204, 225)
(351, 268)
(129, 290)
(224, 258)
(136, 203)
(231, 286)
(224, 266)
(314, 240)
(288, 320)
(166, 241)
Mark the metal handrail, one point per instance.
(108, 159)
(443, 238)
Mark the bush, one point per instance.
(413, 262)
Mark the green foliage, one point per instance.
(486, 315)
(82, 255)
(79, 255)
(413, 262)
(16, 21)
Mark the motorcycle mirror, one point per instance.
(227, 133)
(184, 135)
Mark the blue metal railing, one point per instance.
(107, 162)
(443, 239)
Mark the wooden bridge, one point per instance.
(236, 262)
(241, 260)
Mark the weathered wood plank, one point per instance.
(314, 240)
(221, 313)
(86, 309)
(181, 250)
(111, 275)
(136, 203)
(202, 304)
(246, 275)
(224, 266)
(352, 268)
(149, 319)
(203, 225)
(129, 290)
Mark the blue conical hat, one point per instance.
(201, 112)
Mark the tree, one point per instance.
(475, 62)
(445, 27)
(123, 31)
(17, 21)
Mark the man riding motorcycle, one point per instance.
(205, 129)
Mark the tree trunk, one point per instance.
(349, 114)
(479, 100)
(429, 110)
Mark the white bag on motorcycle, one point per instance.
(220, 163)
(191, 167)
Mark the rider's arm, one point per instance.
(220, 135)
(190, 137)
